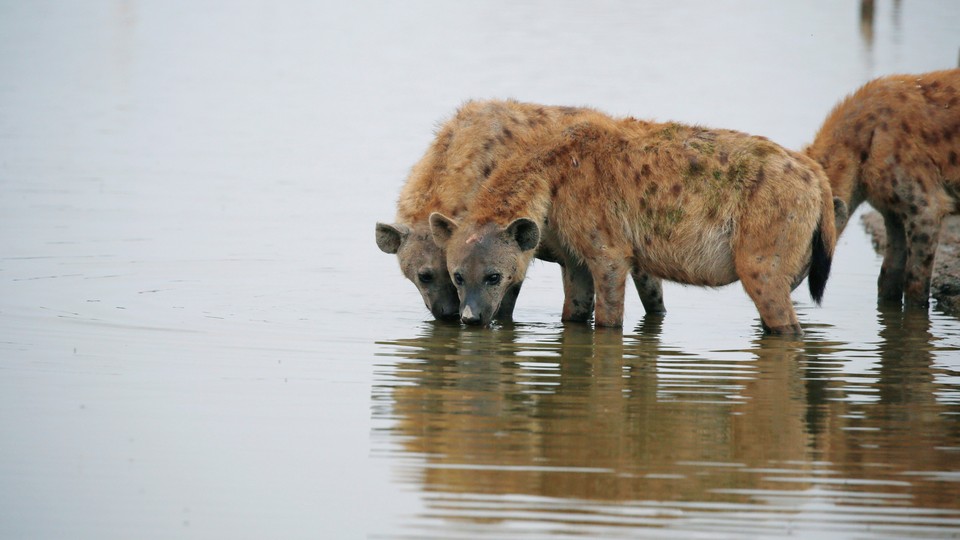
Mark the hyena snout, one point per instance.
(445, 311)
(472, 312)
(444, 303)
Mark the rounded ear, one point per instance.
(525, 232)
(390, 236)
(840, 212)
(442, 228)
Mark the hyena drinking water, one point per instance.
(894, 143)
(689, 204)
(464, 153)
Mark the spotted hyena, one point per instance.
(465, 152)
(894, 143)
(684, 203)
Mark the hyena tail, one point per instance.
(820, 262)
(824, 240)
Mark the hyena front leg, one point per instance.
(923, 233)
(892, 271)
(650, 290)
(577, 292)
(505, 311)
(610, 282)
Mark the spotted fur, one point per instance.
(466, 150)
(685, 203)
(894, 144)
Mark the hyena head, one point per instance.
(485, 261)
(423, 263)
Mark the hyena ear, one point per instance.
(525, 232)
(442, 229)
(390, 236)
(840, 212)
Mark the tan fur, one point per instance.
(894, 143)
(684, 203)
(466, 150)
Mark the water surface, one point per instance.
(199, 337)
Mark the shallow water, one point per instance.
(199, 337)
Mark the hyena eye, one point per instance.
(492, 279)
(458, 278)
(425, 277)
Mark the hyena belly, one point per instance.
(704, 258)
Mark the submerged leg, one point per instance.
(893, 270)
(650, 290)
(923, 234)
(578, 300)
(505, 311)
(610, 281)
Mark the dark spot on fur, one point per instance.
(675, 190)
(788, 167)
(696, 168)
(652, 189)
(932, 139)
(507, 133)
(913, 209)
(645, 171)
(647, 240)
(755, 275)
(487, 169)
(953, 158)
(488, 145)
(723, 157)
(882, 126)
(863, 156)
(905, 127)
(901, 96)
(947, 134)
(758, 291)
(858, 126)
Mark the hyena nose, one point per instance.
(446, 312)
(468, 316)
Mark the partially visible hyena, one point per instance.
(465, 151)
(894, 143)
(684, 203)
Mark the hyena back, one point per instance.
(683, 203)
(894, 143)
(464, 153)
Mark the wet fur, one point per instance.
(895, 143)
(689, 204)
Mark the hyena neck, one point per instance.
(518, 190)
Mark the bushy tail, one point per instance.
(824, 240)
(820, 263)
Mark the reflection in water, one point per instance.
(594, 431)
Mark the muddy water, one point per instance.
(199, 337)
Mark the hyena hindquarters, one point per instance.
(464, 153)
(894, 143)
(681, 203)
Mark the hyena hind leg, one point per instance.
(893, 270)
(650, 290)
(924, 234)
(771, 295)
